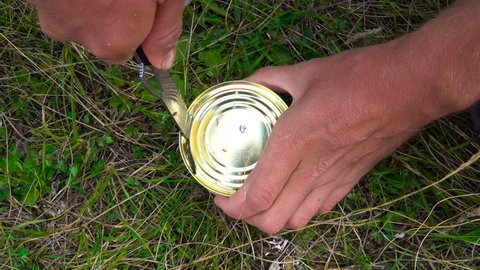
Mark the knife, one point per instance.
(168, 93)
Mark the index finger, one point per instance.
(278, 161)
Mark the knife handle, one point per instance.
(141, 57)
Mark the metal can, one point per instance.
(230, 124)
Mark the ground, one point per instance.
(91, 176)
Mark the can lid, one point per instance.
(231, 123)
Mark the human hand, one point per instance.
(113, 30)
(349, 111)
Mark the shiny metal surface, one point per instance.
(231, 123)
(173, 100)
(168, 93)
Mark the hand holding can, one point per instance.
(350, 111)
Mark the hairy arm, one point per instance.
(446, 51)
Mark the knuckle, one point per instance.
(317, 172)
(53, 32)
(322, 165)
(260, 199)
(291, 138)
(173, 35)
(167, 38)
(298, 222)
(325, 208)
(231, 214)
(284, 139)
(271, 227)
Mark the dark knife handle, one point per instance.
(142, 57)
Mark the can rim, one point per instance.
(185, 147)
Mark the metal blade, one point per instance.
(169, 93)
(173, 100)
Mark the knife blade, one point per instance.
(169, 93)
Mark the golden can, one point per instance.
(230, 124)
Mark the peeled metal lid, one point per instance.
(231, 123)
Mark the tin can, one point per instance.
(230, 124)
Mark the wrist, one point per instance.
(444, 57)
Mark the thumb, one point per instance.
(161, 42)
(281, 79)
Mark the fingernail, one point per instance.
(168, 60)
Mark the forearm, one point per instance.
(445, 53)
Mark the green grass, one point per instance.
(91, 176)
